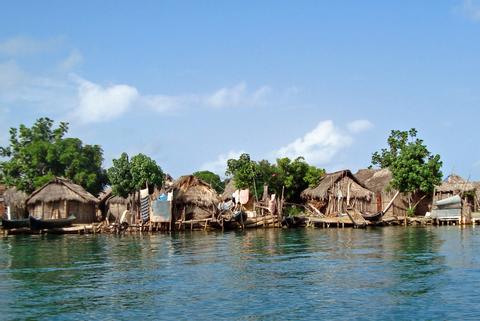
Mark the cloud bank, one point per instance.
(319, 147)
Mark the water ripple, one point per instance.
(339, 274)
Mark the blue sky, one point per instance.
(194, 83)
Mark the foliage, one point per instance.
(293, 210)
(127, 176)
(290, 176)
(38, 154)
(296, 176)
(212, 179)
(145, 171)
(243, 169)
(414, 168)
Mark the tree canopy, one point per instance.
(212, 179)
(129, 175)
(36, 155)
(292, 176)
(413, 167)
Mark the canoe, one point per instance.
(39, 224)
(373, 217)
(240, 216)
(294, 221)
(11, 224)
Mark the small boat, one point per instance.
(240, 216)
(294, 221)
(375, 217)
(40, 224)
(11, 224)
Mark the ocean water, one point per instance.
(391, 273)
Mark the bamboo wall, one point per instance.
(84, 212)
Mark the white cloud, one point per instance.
(10, 75)
(18, 86)
(471, 9)
(318, 146)
(73, 59)
(236, 96)
(358, 126)
(20, 45)
(165, 103)
(219, 165)
(98, 104)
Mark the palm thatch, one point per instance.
(364, 174)
(60, 189)
(16, 200)
(192, 190)
(61, 198)
(194, 198)
(379, 181)
(341, 182)
(105, 195)
(117, 200)
(229, 190)
(455, 184)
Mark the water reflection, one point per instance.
(388, 273)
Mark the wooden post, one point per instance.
(66, 208)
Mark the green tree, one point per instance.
(212, 179)
(290, 176)
(120, 176)
(129, 175)
(296, 176)
(243, 169)
(36, 155)
(414, 169)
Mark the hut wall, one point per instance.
(381, 201)
(117, 209)
(192, 212)
(84, 212)
(337, 205)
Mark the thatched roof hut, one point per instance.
(229, 190)
(116, 205)
(60, 198)
(330, 184)
(336, 191)
(364, 174)
(197, 198)
(379, 181)
(455, 184)
(16, 200)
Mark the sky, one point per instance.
(194, 83)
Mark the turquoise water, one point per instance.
(390, 273)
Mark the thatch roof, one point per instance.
(229, 190)
(379, 181)
(455, 184)
(323, 190)
(61, 189)
(364, 174)
(192, 190)
(15, 198)
(104, 195)
(117, 200)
